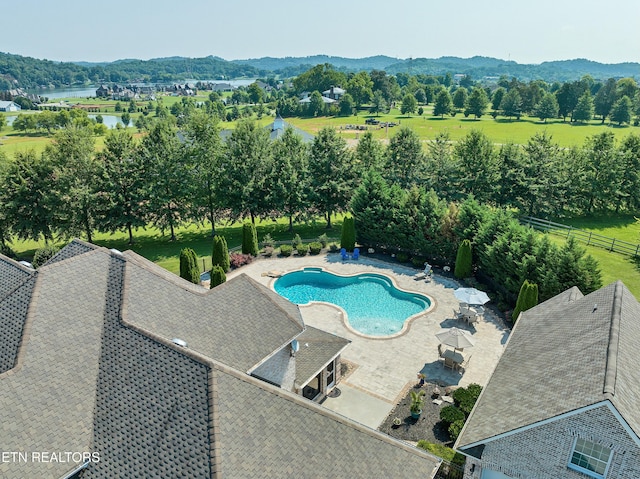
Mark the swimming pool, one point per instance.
(374, 306)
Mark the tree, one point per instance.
(460, 98)
(189, 266)
(477, 102)
(244, 169)
(478, 166)
(122, 185)
(331, 172)
(497, 97)
(169, 182)
(256, 94)
(548, 107)
(347, 105)
(584, 108)
(409, 104)
(348, 235)
(369, 153)
(463, 266)
(527, 299)
(378, 104)
(249, 239)
(217, 277)
(220, 254)
(567, 97)
(126, 118)
(405, 164)
(360, 88)
(511, 104)
(288, 179)
(72, 154)
(621, 111)
(316, 105)
(605, 98)
(3, 122)
(443, 104)
(204, 150)
(626, 87)
(30, 204)
(319, 78)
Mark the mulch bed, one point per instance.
(427, 427)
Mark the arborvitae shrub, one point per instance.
(286, 250)
(249, 239)
(527, 299)
(315, 247)
(463, 260)
(348, 236)
(42, 255)
(220, 255)
(217, 276)
(189, 265)
(302, 249)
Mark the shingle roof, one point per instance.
(317, 348)
(566, 353)
(88, 381)
(16, 287)
(238, 323)
(75, 248)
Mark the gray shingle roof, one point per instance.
(75, 248)
(238, 323)
(317, 348)
(88, 381)
(16, 287)
(566, 353)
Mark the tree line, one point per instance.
(189, 174)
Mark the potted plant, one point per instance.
(397, 422)
(421, 378)
(417, 401)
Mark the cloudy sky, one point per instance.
(523, 31)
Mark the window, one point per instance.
(590, 458)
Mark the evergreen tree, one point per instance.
(217, 276)
(348, 236)
(511, 104)
(249, 239)
(463, 266)
(406, 160)
(621, 111)
(220, 255)
(443, 104)
(460, 98)
(584, 108)
(527, 299)
(477, 102)
(189, 266)
(548, 107)
(409, 104)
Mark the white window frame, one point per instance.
(589, 473)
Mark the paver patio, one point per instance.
(386, 367)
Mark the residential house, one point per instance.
(564, 399)
(9, 106)
(111, 367)
(278, 127)
(103, 91)
(335, 93)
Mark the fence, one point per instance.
(587, 237)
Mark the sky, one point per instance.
(522, 31)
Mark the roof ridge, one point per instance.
(611, 367)
(263, 291)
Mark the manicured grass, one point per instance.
(157, 247)
(620, 226)
(499, 131)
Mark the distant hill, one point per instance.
(27, 72)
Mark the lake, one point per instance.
(111, 120)
(90, 91)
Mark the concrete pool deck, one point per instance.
(385, 368)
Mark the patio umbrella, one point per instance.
(471, 296)
(456, 338)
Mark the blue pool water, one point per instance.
(374, 306)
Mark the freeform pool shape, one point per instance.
(374, 306)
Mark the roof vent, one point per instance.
(116, 251)
(180, 342)
(26, 264)
(595, 308)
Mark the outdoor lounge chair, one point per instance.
(343, 253)
(425, 274)
(356, 253)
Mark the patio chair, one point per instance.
(440, 351)
(462, 367)
(449, 363)
(356, 253)
(426, 273)
(343, 253)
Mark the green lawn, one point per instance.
(622, 227)
(156, 247)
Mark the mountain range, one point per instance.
(27, 72)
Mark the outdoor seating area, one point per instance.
(345, 256)
(454, 357)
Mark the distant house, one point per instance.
(564, 399)
(103, 91)
(9, 106)
(278, 127)
(222, 87)
(139, 373)
(335, 93)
